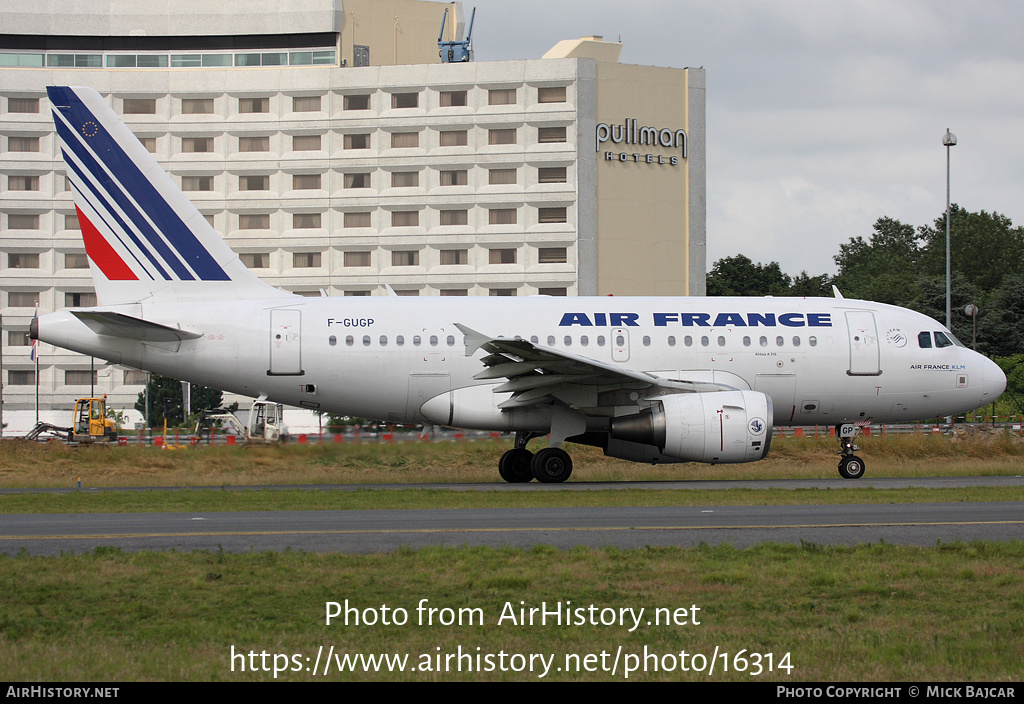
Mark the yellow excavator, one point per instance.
(90, 424)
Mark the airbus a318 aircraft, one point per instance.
(647, 379)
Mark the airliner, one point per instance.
(655, 380)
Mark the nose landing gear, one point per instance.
(850, 466)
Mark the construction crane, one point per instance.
(457, 50)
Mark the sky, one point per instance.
(821, 116)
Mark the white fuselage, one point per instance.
(821, 361)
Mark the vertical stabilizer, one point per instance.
(145, 240)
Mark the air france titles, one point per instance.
(704, 320)
(630, 133)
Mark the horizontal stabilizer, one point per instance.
(120, 325)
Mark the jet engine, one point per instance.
(720, 426)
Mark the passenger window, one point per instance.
(688, 341)
(383, 340)
(350, 340)
(567, 341)
(534, 339)
(551, 340)
(416, 340)
(584, 341)
(400, 340)
(366, 340)
(924, 340)
(433, 340)
(746, 341)
(704, 341)
(647, 341)
(721, 341)
(450, 340)
(812, 341)
(600, 340)
(941, 340)
(332, 340)
(671, 341)
(796, 341)
(763, 341)
(779, 342)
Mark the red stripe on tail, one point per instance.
(102, 254)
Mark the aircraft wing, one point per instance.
(538, 374)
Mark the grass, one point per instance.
(25, 464)
(868, 613)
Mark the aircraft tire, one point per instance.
(552, 465)
(515, 466)
(851, 467)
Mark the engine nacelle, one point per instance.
(716, 427)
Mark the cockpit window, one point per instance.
(924, 340)
(941, 340)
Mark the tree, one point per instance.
(883, 269)
(738, 276)
(165, 400)
(985, 248)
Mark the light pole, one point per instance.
(949, 140)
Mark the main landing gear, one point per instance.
(850, 466)
(552, 465)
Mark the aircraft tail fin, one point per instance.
(145, 240)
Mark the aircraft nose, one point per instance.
(993, 381)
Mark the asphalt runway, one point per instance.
(624, 527)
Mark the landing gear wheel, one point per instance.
(552, 465)
(851, 467)
(514, 466)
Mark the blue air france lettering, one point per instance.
(661, 320)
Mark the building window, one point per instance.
(197, 106)
(453, 99)
(453, 138)
(501, 216)
(306, 143)
(254, 183)
(454, 217)
(454, 292)
(552, 291)
(501, 292)
(357, 219)
(23, 261)
(357, 180)
(193, 145)
(23, 144)
(71, 222)
(139, 106)
(18, 338)
(405, 100)
(197, 183)
(405, 179)
(79, 377)
(254, 144)
(405, 218)
(250, 105)
(134, 377)
(18, 377)
(497, 177)
(551, 174)
(454, 257)
(305, 260)
(305, 182)
(306, 221)
(253, 221)
(255, 260)
(23, 222)
(547, 135)
(410, 258)
(76, 260)
(149, 143)
(455, 178)
(357, 259)
(502, 256)
(550, 215)
(23, 105)
(551, 255)
(404, 140)
(309, 103)
(22, 183)
(79, 300)
(23, 299)
(554, 94)
(501, 97)
(356, 102)
(360, 293)
(357, 141)
(504, 136)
